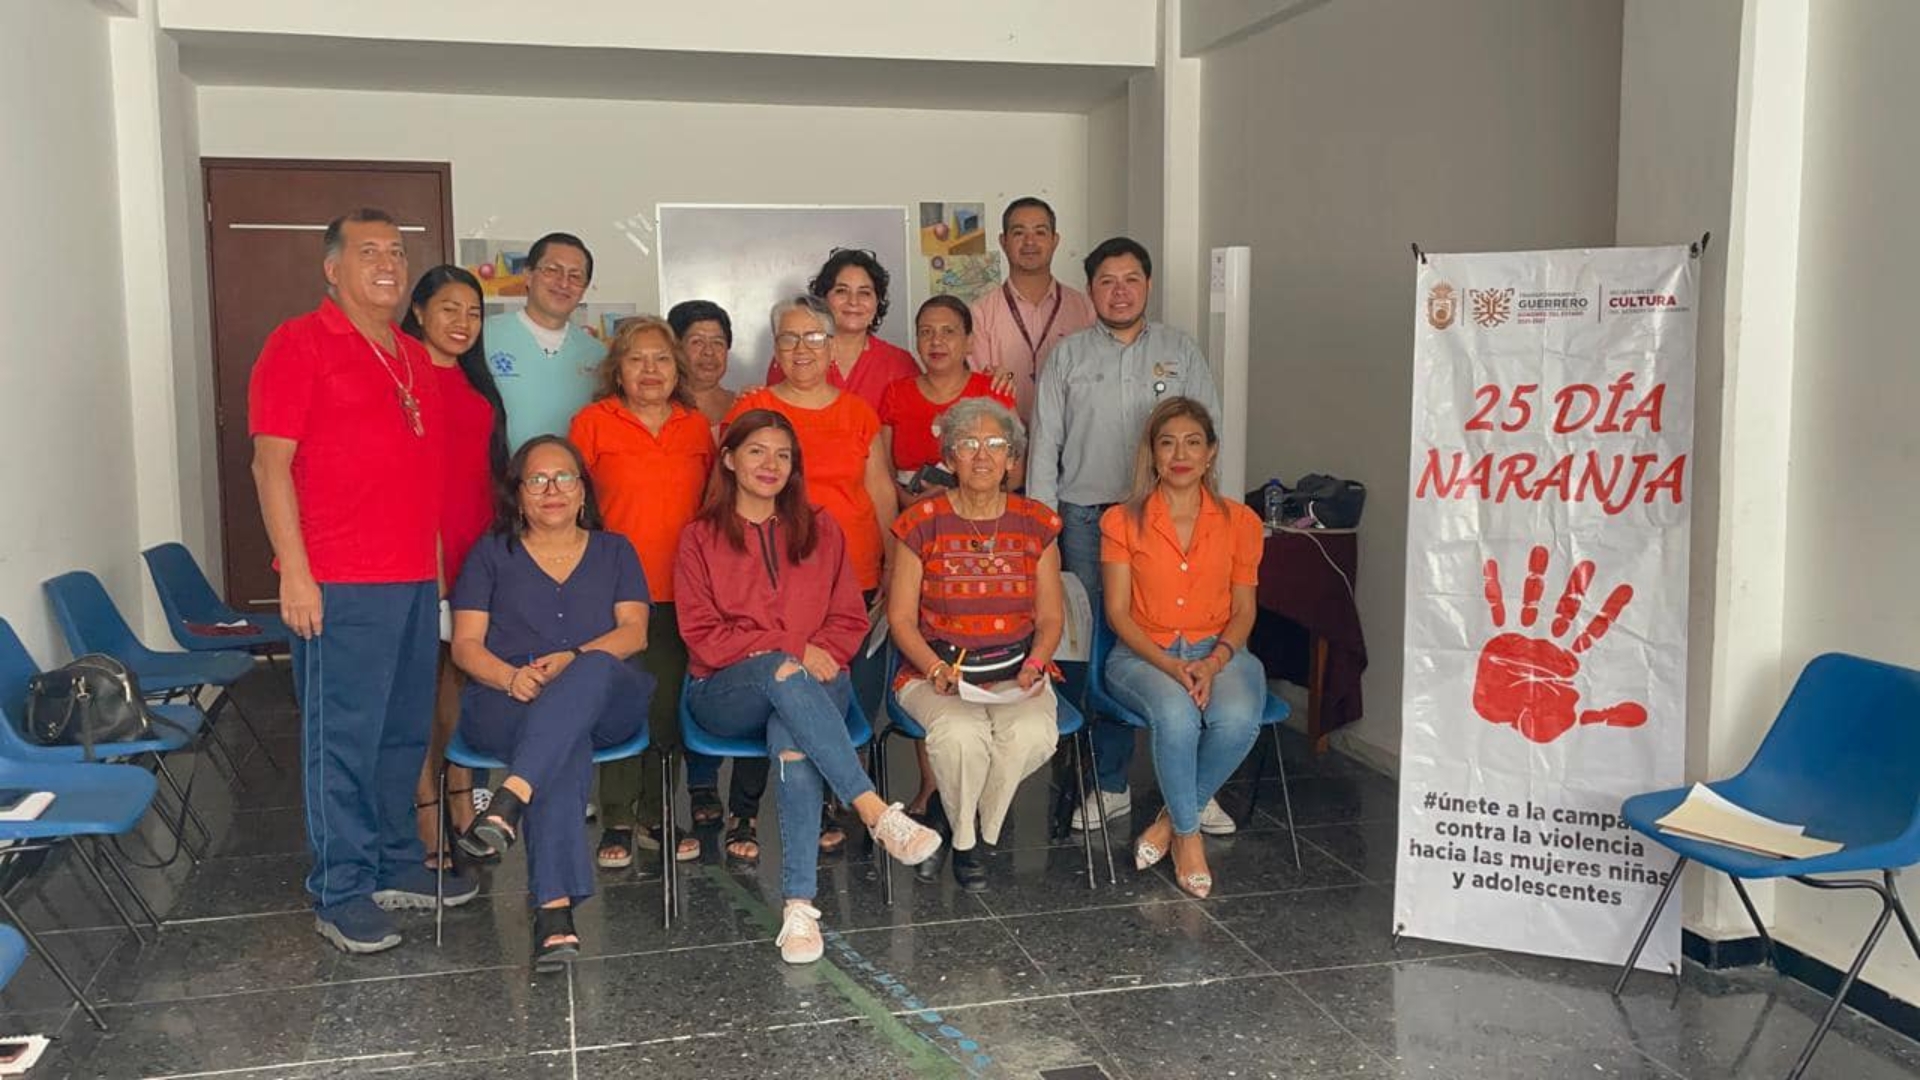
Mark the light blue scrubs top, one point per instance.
(541, 390)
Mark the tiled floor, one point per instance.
(1284, 973)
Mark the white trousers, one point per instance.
(980, 753)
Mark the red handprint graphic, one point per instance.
(1528, 681)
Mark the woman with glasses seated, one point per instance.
(772, 615)
(1180, 565)
(545, 616)
(976, 598)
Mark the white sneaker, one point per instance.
(799, 940)
(1215, 821)
(1114, 804)
(904, 838)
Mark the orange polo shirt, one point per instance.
(834, 444)
(1186, 593)
(648, 485)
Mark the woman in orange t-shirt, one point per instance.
(649, 451)
(847, 474)
(1180, 565)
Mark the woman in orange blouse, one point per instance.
(649, 451)
(1180, 565)
(847, 472)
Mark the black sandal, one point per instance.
(550, 923)
(706, 806)
(493, 832)
(833, 838)
(454, 795)
(435, 860)
(619, 840)
(743, 832)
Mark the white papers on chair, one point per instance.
(877, 615)
(1706, 815)
(18, 1053)
(25, 806)
(1076, 638)
(1009, 692)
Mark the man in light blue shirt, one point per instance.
(546, 367)
(1092, 404)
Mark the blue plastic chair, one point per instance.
(1071, 726)
(459, 753)
(1842, 759)
(1272, 716)
(188, 599)
(89, 801)
(13, 953)
(93, 624)
(698, 740)
(17, 668)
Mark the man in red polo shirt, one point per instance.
(340, 406)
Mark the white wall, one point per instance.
(1107, 167)
(1333, 140)
(522, 167)
(1056, 31)
(1853, 512)
(65, 408)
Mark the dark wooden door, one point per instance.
(265, 220)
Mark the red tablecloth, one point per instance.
(1306, 579)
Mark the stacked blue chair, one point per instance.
(459, 753)
(1072, 727)
(1271, 717)
(698, 740)
(17, 668)
(190, 603)
(1842, 759)
(92, 624)
(90, 801)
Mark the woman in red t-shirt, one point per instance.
(911, 408)
(445, 315)
(853, 285)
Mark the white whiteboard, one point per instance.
(746, 258)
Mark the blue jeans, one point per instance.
(1194, 749)
(1080, 556)
(366, 688)
(797, 713)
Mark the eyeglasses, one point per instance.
(704, 342)
(931, 333)
(540, 483)
(971, 446)
(556, 272)
(812, 339)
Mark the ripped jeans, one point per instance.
(797, 713)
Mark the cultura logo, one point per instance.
(1491, 307)
(1442, 306)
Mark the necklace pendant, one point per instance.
(411, 406)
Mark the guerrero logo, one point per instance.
(1442, 306)
(1491, 307)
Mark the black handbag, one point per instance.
(95, 699)
(995, 663)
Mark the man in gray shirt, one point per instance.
(1091, 409)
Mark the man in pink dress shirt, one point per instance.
(1018, 324)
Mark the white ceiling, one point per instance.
(226, 59)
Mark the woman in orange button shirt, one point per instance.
(649, 451)
(1180, 565)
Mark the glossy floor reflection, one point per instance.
(1285, 972)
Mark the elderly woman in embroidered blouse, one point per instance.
(1180, 565)
(976, 597)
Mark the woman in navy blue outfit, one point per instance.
(545, 615)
